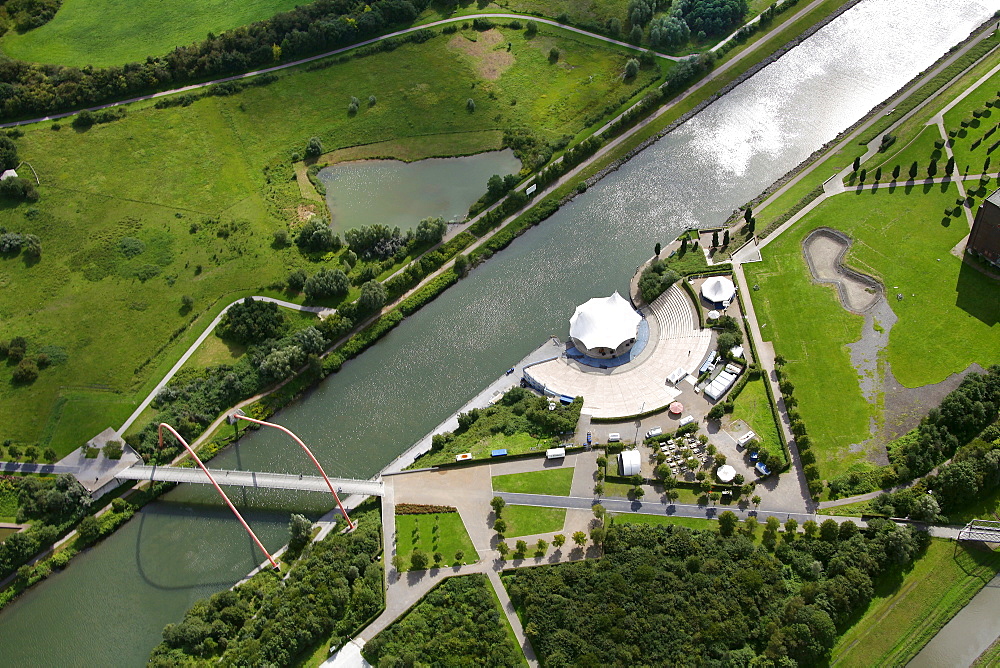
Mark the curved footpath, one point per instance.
(327, 54)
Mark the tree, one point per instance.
(113, 449)
(755, 500)
(684, 245)
(296, 280)
(503, 548)
(31, 246)
(352, 106)
(461, 265)
(829, 530)
(715, 238)
(895, 172)
(597, 535)
(631, 68)
(914, 168)
(791, 526)
(810, 528)
(553, 55)
(542, 546)
(50, 455)
(638, 492)
(750, 526)
(728, 522)
(636, 35)
(372, 297)
(500, 526)
(8, 154)
(398, 562)
(470, 105)
(862, 175)
(751, 226)
(31, 453)
(559, 540)
(25, 372)
(520, 547)
(430, 231)
(878, 175)
(498, 503)
(299, 531)
(89, 529)
(580, 538)
(950, 166)
(317, 237)
(326, 283)
(438, 558)
(857, 163)
(599, 511)
(530, 29)
(925, 509)
(932, 169)
(314, 147)
(418, 559)
(372, 100)
(656, 249)
(599, 489)
(725, 238)
(747, 214)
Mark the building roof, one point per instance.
(631, 462)
(604, 322)
(718, 289)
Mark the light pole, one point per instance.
(638, 423)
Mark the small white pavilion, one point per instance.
(719, 290)
(630, 462)
(604, 327)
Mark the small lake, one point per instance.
(401, 194)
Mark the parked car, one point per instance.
(614, 437)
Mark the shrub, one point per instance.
(326, 283)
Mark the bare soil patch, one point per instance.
(305, 212)
(488, 53)
(906, 406)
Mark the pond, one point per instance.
(401, 194)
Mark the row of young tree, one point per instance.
(664, 595)
(323, 25)
(272, 620)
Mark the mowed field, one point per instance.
(204, 187)
(115, 32)
(947, 318)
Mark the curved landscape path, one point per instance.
(334, 52)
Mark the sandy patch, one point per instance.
(824, 250)
(488, 53)
(305, 212)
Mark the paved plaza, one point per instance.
(675, 342)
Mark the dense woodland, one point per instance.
(269, 621)
(457, 624)
(664, 595)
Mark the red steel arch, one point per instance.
(217, 489)
(343, 511)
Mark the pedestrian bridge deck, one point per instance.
(306, 483)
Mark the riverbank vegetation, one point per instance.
(327, 595)
(789, 603)
(521, 422)
(458, 623)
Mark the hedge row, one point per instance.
(422, 509)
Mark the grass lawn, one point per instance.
(418, 531)
(556, 481)
(114, 32)
(902, 238)
(530, 520)
(204, 189)
(909, 609)
(990, 657)
(753, 408)
(920, 149)
(662, 520)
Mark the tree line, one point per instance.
(323, 25)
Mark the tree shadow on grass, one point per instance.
(978, 294)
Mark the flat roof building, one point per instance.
(984, 240)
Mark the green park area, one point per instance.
(912, 604)
(113, 32)
(531, 520)
(554, 481)
(427, 535)
(902, 236)
(753, 408)
(150, 224)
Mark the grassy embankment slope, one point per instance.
(205, 186)
(114, 32)
(903, 235)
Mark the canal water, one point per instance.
(401, 194)
(108, 607)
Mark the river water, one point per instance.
(109, 606)
(401, 194)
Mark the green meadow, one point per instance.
(205, 187)
(114, 32)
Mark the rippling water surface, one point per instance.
(109, 606)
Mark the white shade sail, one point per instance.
(604, 322)
(726, 473)
(718, 289)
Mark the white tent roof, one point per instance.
(726, 473)
(718, 289)
(631, 462)
(604, 322)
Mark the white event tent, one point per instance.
(604, 326)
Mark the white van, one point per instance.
(614, 437)
(655, 431)
(555, 453)
(745, 438)
(686, 420)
